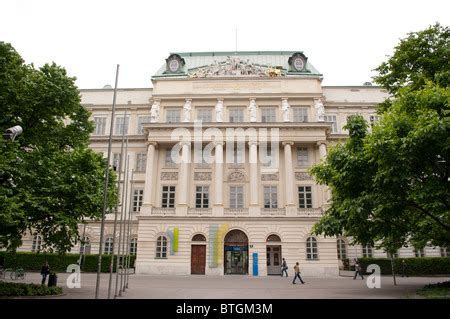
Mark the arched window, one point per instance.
(161, 247)
(109, 246)
(311, 249)
(37, 243)
(341, 249)
(367, 251)
(85, 246)
(133, 246)
(199, 237)
(273, 237)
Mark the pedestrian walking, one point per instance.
(284, 268)
(404, 268)
(358, 271)
(45, 270)
(297, 274)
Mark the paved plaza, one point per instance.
(243, 287)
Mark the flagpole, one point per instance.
(128, 238)
(105, 189)
(111, 264)
(124, 219)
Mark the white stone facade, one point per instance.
(269, 202)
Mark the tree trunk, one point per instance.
(393, 269)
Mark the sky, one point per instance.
(345, 40)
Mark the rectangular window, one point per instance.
(302, 156)
(238, 155)
(202, 197)
(122, 125)
(168, 159)
(367, 251)
(138, 195)
(270, 197)
(304, 197)
(168, 197)
(141, 161)
(172, 115)
(236, 197)
(236, 115)
(100, 125)
(300, 114)
(204, 115)
(268, 114)
(142, 120)
(332, 119)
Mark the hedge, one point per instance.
(12, 289)
(415, 266)
(58, 263)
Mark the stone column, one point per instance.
(289, 173)
(150, 172)
(253, 159)
(326, 193)
(218, 200)
(183, 186)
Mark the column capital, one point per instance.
(220, 99)
(155, 144)
(322, 143)
(250, 143)
(185, 143)
(287, 143)
(218, 143)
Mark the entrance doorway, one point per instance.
(236, 253)
(273, 255)
(198, 255)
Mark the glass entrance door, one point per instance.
(236, 260)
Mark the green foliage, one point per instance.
(49, 180)
(391, 185)
(13, 289)
(57, 262)
(421, 57)
(415, 266)
(441, 290)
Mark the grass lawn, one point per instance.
(436, 291)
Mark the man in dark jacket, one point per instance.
(45, 270)
(404, 268)
(284, 268)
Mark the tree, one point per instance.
(49, 180)
(422, 56)
(391, 185)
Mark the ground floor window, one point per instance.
(37, 243)
(109, 246)
(445, 251)
(161, 247)
(85, 246)
(133, 246)
(311, 249)
(367, 251)
(419, 252)
(341, 249)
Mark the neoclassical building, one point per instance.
(219, 151)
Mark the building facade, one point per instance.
(219, 151)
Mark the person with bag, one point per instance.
(284, 268)
(297, 274)
(45, 270)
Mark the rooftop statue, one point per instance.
(154, 112)
(320, 110)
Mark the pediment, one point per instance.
(235, 66)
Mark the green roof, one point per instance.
(275, 59)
